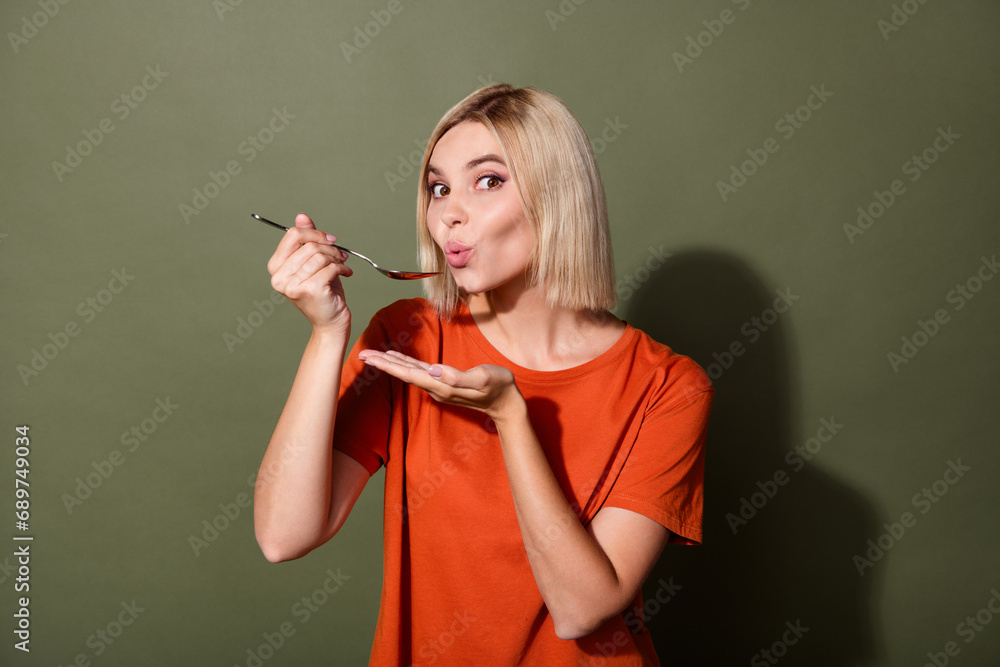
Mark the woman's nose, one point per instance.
(454, 211)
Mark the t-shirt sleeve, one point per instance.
(663, 477)
(364, 408)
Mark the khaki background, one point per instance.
(667, 132)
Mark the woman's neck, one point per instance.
(525, 329)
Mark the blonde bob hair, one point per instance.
(552, 165)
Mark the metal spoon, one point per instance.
(398, 275)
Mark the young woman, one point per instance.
(539, 452)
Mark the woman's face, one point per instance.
(474, 215)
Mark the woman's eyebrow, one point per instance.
(471, 164)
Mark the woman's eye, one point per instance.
(491, 181)
(440, 190)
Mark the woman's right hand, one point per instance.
(306, 268)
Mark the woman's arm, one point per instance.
(585, 575)
(305, 490)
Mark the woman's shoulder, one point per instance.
(406, 309)
(406, 321)
(674, 372)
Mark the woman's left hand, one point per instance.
(487, 388)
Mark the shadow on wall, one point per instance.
(775, 572)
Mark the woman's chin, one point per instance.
(470, 292)
(466, 284)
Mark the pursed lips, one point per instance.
(457, 253)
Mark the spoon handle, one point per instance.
(398, 275)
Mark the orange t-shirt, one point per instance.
(625, 429)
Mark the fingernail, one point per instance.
(434, 371)
(331, 238)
